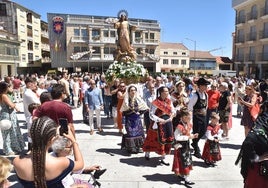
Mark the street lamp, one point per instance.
(194, 41)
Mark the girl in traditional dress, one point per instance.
(160, 133)
(132, 108)
(182, 162)
(211, 151)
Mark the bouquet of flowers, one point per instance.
(129, 72)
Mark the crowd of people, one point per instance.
(165, 113)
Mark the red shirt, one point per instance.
(213, 98)
(55, 110)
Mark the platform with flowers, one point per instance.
(129, 72)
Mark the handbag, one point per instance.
(254, 111)
(5, 124)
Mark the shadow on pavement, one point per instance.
(231, 146)
(142, 162)
(167, 178)
(113, 152)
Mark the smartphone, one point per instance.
(63, 126)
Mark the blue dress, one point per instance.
(54, 183)
(12, 138)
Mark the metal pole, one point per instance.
(194, 56)
(194, 41)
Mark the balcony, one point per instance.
(239, 57)
(250, 57)
(240, 39)
(241, 20)
(264, 13)
(251, 36)
(79, 39)
(251, 16)
(46, 60)
(263, 35)
(263, 56)
(45, 47)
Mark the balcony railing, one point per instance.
(240, 39)
(239, 57)
(252, 16)
(264, 12)
(241, 19)
(263, 56)
(250, 57)
(263, 34)
(252, 36)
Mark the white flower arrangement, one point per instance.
(130, 71)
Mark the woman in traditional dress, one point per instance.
(160, 134)
(132, 108)
(180, 100)
(12, 138)
(182, 162)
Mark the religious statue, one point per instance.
(125, 51)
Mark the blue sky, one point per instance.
(209, 22)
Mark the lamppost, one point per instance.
(194, 41)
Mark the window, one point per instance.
(183, 53)
(252, 53)
(30, 45)
(165, 53)
(146, 35)
(183, 62)
(95, 32)
(84, 33)
(29, 17)
(112, 33)
(174, 61)
(265, 52)
(84, 49)
(253, 33)
(165, 61)
(30, 57)
(106, 33)
(240, 36)
(241, 16)
(175, 53)
(23, 57)
(36, 45)
(266, 7)
(97, 50)
(265, 32)
(137, 34)
(36, 57)
(254, 12)
(3, 9)
(151, 35)
(76, 49)
(76, 32)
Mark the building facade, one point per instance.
(88, 43)
(174, 57)
(25, 25)
(9, 53)
(251, 37)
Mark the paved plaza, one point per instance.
(124, 171)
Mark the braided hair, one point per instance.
(42, 131)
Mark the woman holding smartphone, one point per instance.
(39, 168)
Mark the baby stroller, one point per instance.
(94, 176)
